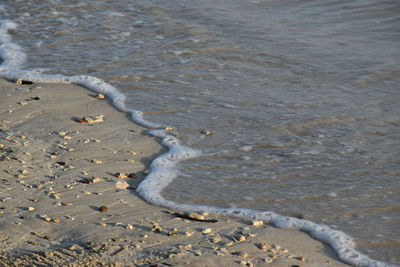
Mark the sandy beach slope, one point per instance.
(56, 173)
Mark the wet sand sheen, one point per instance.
(57, 173)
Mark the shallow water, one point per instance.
(301, 97)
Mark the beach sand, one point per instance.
(56, 173)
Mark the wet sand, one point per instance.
(56, 173)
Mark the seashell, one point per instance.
(121, 184)
(120, 175)
(206, 133)
(96, 161)
(240, 238)
(173, 232)
(207, 231)
(186, 247)
(257, 223)
(264, 246)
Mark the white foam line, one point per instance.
(163, 169)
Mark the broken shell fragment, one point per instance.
(240, 238)
(91, 120)
(257, 223)
(121, 184)
(120, 175)
(207, 231)
(96, 161)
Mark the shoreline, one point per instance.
(59, 172)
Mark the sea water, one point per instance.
(301, 100)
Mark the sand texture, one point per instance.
(57, 171)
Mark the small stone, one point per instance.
(121, 185)
(132, 175)
(300, 258)
(257, 223)
(67, 204)
(185, 247)
(189, 233)
(62, 133)
(96, 161)
(206, 133)
(129, 226)
(120, 175)
(100, 96)
(173, 232)
(207, 231)
(31, 208)
(67, 137)
(103, 209)
(103, 224)
(55, 220)
(263, 246)
(240, 238)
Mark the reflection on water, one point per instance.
(301, 97)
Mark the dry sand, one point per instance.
(55, 174)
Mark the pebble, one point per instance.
(120, 175)
(96, 161)
(55, 220)
(257, 223)
(240, 238)
(207, 231)
(100, 96)
(121, 184)
(129, 226)
(31, 208)
(103, 209)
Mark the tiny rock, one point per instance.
(185, 247)
(96, 161)
(120, 175)
(240, 238)
(129, 226)
(100, 96)
(31, 208)
(55, 220)
(103, 209)
(207, 231)
(300, 258)
(257, 223)
(121, 185)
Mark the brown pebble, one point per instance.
(300, 258)
(67, 204)
(132, 175)
(103, 209)
(55, 220)
(46, 237)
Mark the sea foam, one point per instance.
(163, 169)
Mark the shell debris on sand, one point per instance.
(100, 96)
(121, 185)
(91, 119)
(120, 175)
